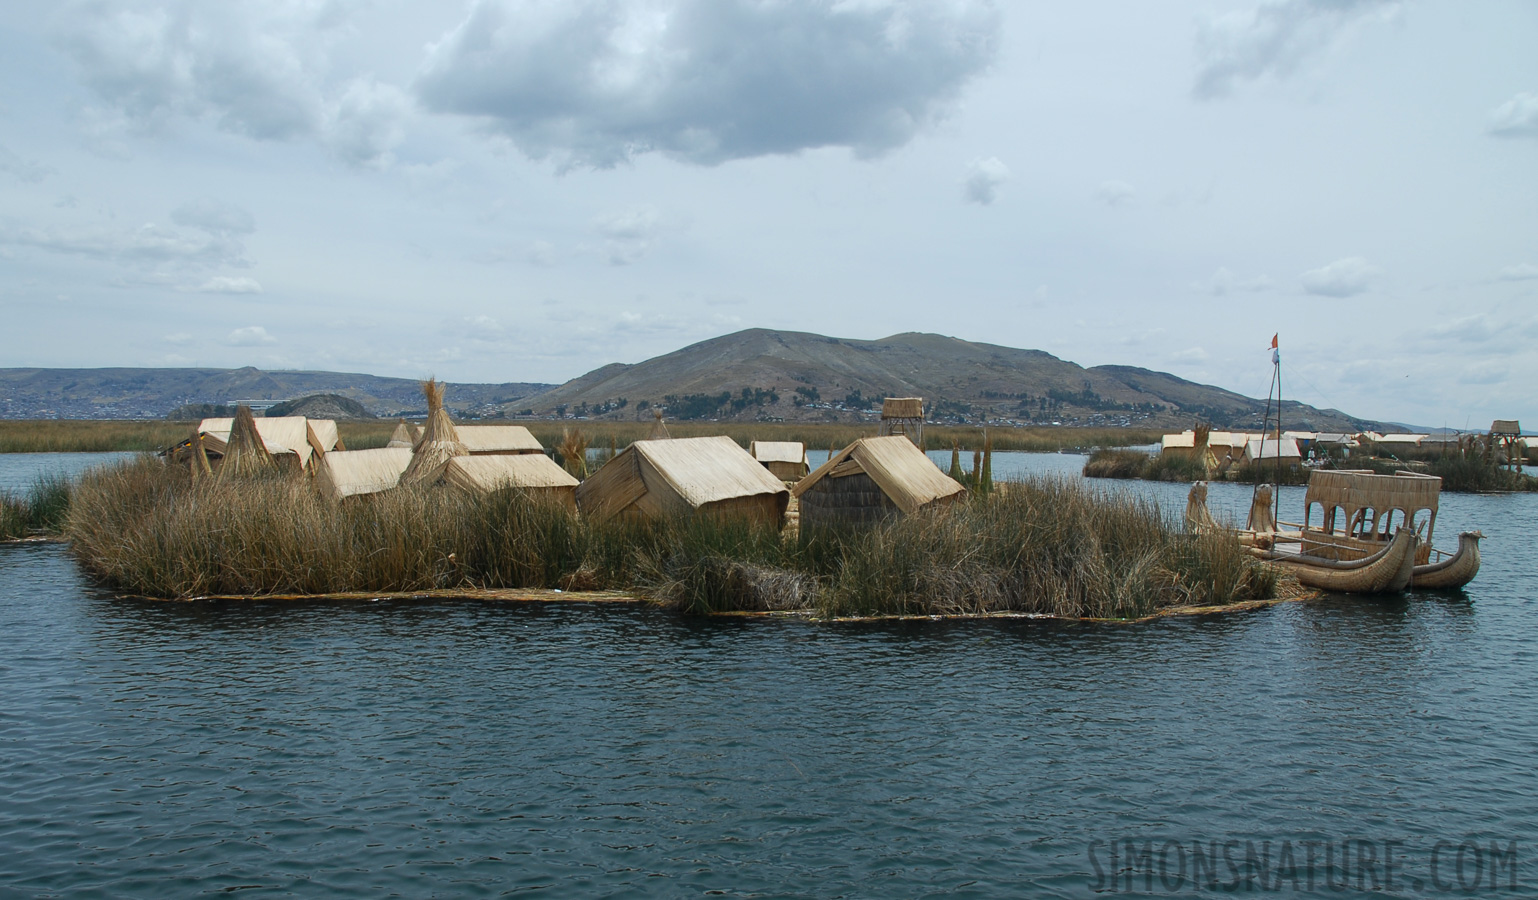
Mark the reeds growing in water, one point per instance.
(1041, 546)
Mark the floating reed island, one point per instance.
(694, 524)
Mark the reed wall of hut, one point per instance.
(684, 477)
(872, 479)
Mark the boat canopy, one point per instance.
(1362, 503)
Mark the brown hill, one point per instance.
(763, 374)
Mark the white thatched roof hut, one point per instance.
(404, 436)
(323, 436)
(874, 478)
(1285, 449)
(785, 460)
(280, 435)
(348, 473)
(684, 476)
(533, 473)
(487, 440)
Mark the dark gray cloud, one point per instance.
(594, 82)
(1272, 39)
(985, 178)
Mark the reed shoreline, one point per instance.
(1043, 546)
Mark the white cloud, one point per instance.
(147, 244)
(1484, 372)
(1223, 282)
(1519, 272)
(250, 336)
(25, 171)
(223, 284)
(214, 217)
(1115, 193)
(1190, 355)
(1342, 278)
(1273, 39)
(595, 82)
(984, 179)
(629, 235)
(251, 67)
(179, 338)
(1517, 117)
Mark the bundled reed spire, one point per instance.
(659, 431)
(438, 443)
(245, 453)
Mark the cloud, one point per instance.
(25, 171)
(1190, 355)
(984, 179)
(629, 235)
(250, 336)
(1115, 193)
(597, 82)
(540, 253)
(1223, 282)
(179, 338)
(1342, 278)
(148, 244)
(1517, 117)
(222, 284)
(251, 67)
(1484, 372)
(1520, 272)
(1273, 39)
(214, 217)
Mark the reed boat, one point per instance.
(1388, 570)
(1354, 517)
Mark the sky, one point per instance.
(524, 190)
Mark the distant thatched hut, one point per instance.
(350, 473)
(903, 415)
(785, 460)
(684, 476)
(498, 440)
(404, 437)
(286, 439)
(323, 436)
(872, 479)
(533, 473)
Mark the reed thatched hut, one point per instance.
(350, 473)
(323, 436)
(439, 442)
(684, 476)
(498, 440)
(404, 437)
(785, 460)
(533, 473)
(285, 438)
(905, 416)
(872, 479)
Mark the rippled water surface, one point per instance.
(457, 748)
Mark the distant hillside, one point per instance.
(321, 406)
(762, 374)
(124, 393)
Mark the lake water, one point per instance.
(454, 748)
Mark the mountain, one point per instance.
(761, 374)
(152, 393)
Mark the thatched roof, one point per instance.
(323, 436)
(1271, 448)
(676, 475)
(778, 451)
(1506, 427)
(244, 450)
(498, 439)
(529, 471)
(403, 437)
(902, 408)
(902, 471)
(1185, 440)
(1354, 489)
(280, 434)
(439, 443)
(345, 473)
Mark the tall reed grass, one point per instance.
(1041, 546)
(40, 511)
